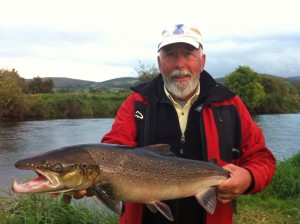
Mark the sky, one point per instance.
(98, 40)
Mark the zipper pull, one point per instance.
(182, 142)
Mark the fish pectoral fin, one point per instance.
(66, 198)
(112, 203)
(163, 208)
(207, 200)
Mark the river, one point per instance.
(23, 139)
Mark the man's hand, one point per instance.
(239, 181)
(77, 194)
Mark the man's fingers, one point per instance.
(54, 195)
(77, 194)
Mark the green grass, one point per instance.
(42, 209)
(279, 202)
(253, 209)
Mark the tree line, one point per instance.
(262, 93)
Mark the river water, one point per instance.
(23, 139)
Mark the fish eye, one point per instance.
(57, 167)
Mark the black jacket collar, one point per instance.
(210, 90)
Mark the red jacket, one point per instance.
(250, 152)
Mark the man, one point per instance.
(201, 119)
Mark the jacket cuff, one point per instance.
(252, 184)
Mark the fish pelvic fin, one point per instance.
(208, 200)
(163, 208)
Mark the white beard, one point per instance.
(181, 89)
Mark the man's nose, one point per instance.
(179, 60)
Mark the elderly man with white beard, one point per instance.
(201, 120)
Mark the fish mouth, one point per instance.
(44, 182)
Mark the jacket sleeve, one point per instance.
(123, 129)
(256, 157)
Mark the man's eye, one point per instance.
(187, 53)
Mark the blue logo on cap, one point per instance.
(178, 30)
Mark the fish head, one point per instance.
(63, 170)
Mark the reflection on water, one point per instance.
(23, 139)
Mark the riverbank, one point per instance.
(278, 203)
(69, 105)
(82, 104)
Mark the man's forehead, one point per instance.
(178, 46)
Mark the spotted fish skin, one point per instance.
(117, 173)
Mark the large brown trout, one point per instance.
(117, 173)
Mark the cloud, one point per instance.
(274, 54)
(99, 40)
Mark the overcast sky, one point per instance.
(99, 40)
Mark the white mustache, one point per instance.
(179, 73)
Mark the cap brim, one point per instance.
(174, 40)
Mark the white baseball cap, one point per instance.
(181, 34)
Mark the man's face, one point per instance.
(180, 65)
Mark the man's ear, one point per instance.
(158, 61)
(203, 60)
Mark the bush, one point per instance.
(73, 105)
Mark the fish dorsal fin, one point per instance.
(103, 193)
(161, 149)
(163, 208)
(213, 161)
(207, 200)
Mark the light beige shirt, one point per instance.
(183, 107)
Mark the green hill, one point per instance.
(124, 83)
(68, 84)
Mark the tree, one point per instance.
(146, 73)
(14, 75)
(11, 94)
(297, 86)
(37, 85)
(280, 97)
(245, 82)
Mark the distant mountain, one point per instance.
(68, 84)
(294, 79)
(124, 83)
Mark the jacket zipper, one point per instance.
(182, 141)
(203, 140)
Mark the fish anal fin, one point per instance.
(163, 208)
(207, 200)
(152, 208)
(107, 199)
